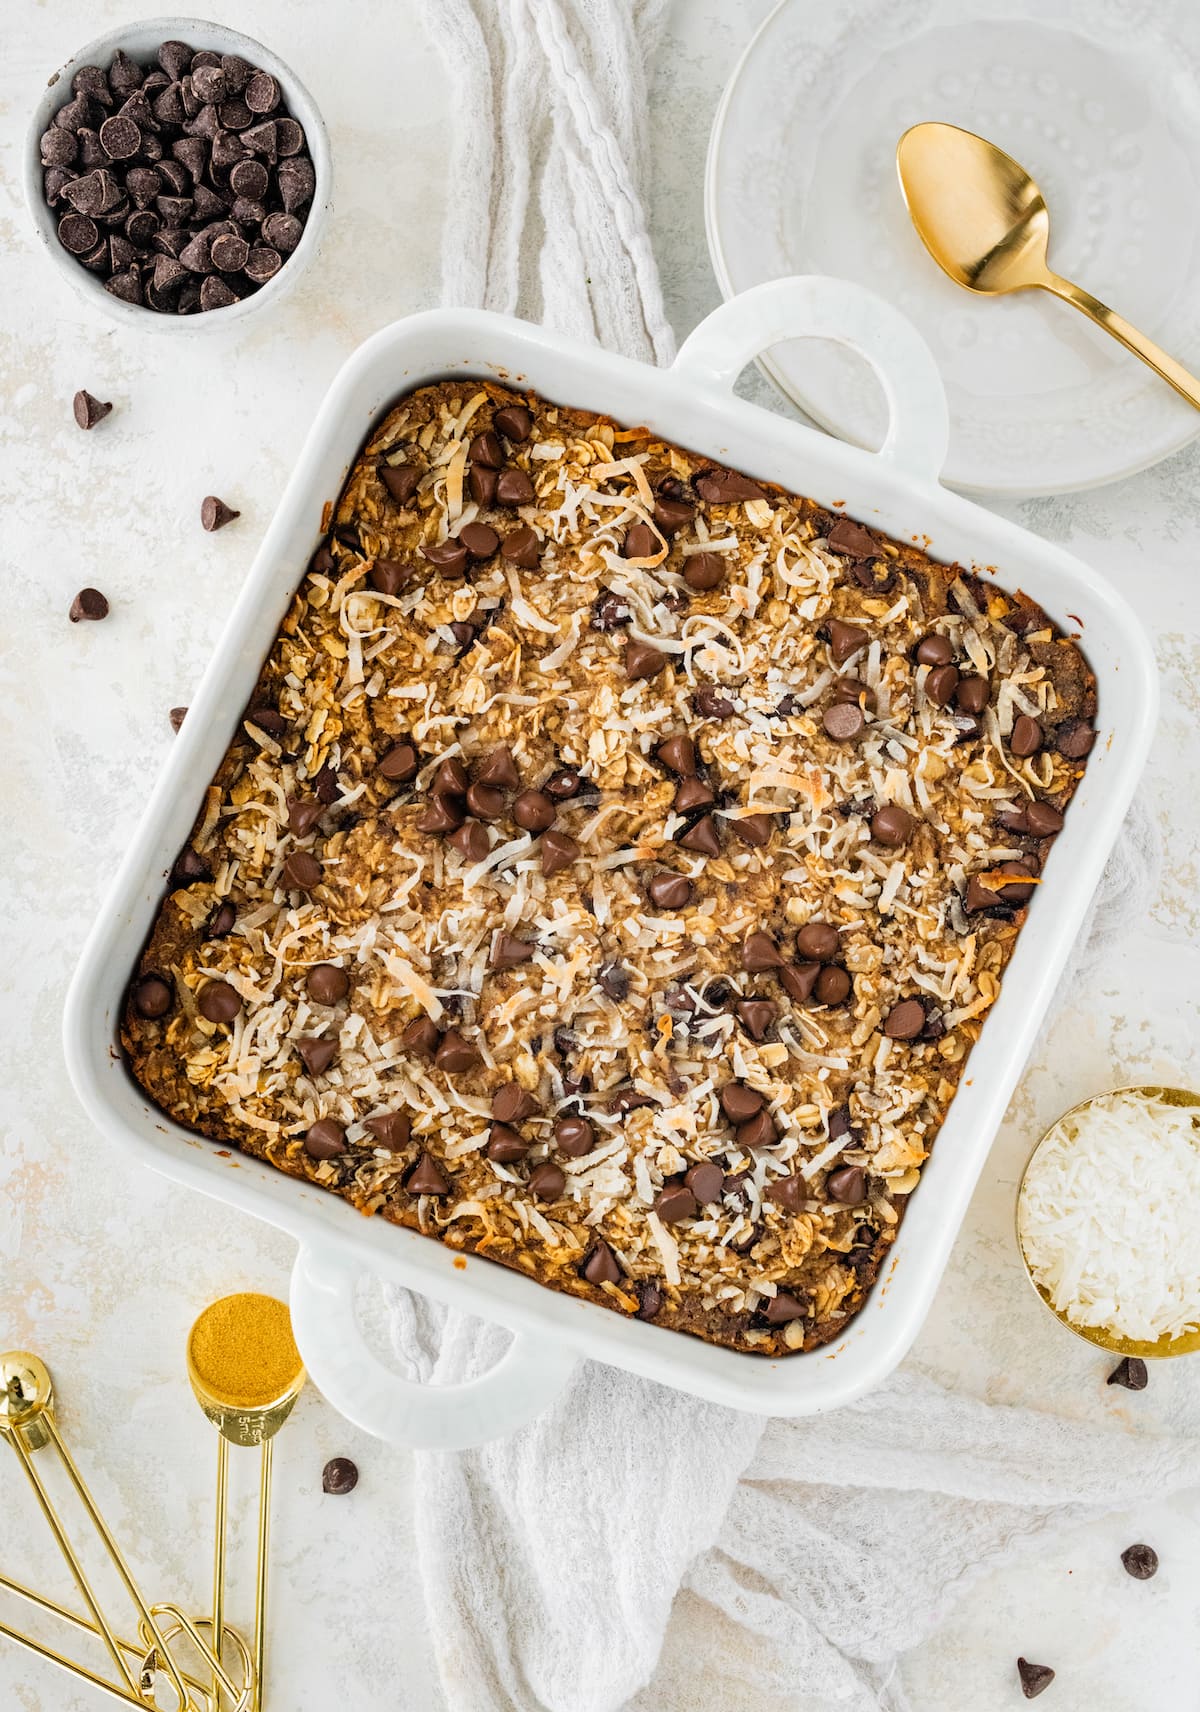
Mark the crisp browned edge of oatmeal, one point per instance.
(160, 1069)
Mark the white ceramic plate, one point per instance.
(1100, 99)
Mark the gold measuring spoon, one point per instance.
(984, 222)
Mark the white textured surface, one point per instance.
(102, 1270)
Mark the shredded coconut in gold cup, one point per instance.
(1107, 1220)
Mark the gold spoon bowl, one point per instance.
(985, 223)
(1185, 1343)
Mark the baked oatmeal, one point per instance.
(614, 867)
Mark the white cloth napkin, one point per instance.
(550, 1561)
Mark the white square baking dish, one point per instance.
(896, 489)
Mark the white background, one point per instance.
(102, 1270)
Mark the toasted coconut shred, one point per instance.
(601, 996)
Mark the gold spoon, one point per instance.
(984, 222)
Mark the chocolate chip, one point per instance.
(1141, 1561)
(703, 837)
(471, 841)
(1043, 820)
(759, 952)
(302, 871)
(1074, 738)
(450, 557)
(935, 650)
(756, 1016)
(757, 1131)
(88, 603)
(521, 547)
(843, 721)
(485, 450)
(220, 923)
(940, 684)
(790, 1193)
(972, 694)
(230, 253)
(268, 719)
(753, 829)
(209, 82)
(441, 814)
(547, 1181)
(215, 514)
(1130, 1373)
(218, 1001)
(704, 571)
(669, 891)
(189, 867)
(509, 951)
(845, 640)
(327, 984)
(450, 779)
(400, 764)
(558, 851)
(679, 753)
(505, 1146)
(798, 981)
(120, 137)
(726, 487)
(514, 422)
(847, 1185)
(303, 815)
(892, 825)
(574, 1137)
(282, 232)
(640, 542)
(498, 768)
(511, 1103)
(650, 1299)
(782, 1308)
(672, 511)
(563, 784)
(79, 234)
(905, 1020)
(485, 801)
(1026, 737)
(95, 194)
(643, 661)
(533, 811)
(421, 1036)
(709, 703)
(261, 93)
(740, 1103)
(674, 1203)
(1035, 1678)
(693, 794)
(851, 539)
(316, 1053)
(600, 1265)
(514, 488)
(124, 74)
(388, 576)
(832, 987)
(818, 941)
(427, 1177)
(153, 997)
(339, 1476)
(609, 613)
(263, 263)
(480, 540)
(455, 1054)
(614, 980)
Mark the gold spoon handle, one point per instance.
(1174, 373)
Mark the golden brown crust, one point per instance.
(534, 656)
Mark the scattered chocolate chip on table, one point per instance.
(88, 603)
(183, 184)
(1141, 1561)
(215, 514)
(339, 1476)
(1130, 1373)
(88, 410)
(177, 717)
(1035, 1679)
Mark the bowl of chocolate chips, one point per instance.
(178, 174)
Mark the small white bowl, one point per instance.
(141, 42)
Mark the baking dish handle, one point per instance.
(340, 1363)
(817, 307)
